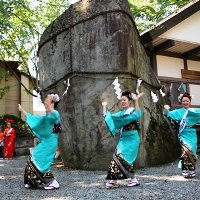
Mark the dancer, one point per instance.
(46, 129)
(186, 118)
(121, 166)
(9, 140)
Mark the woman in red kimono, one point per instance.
(9, 140)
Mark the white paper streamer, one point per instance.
(162, 93)
(179, 88)
(68, 84)
(154, 97)
(117, 89)
(139, 81)
(179, 97)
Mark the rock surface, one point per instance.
(91, 43)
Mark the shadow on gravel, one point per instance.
(163, 182)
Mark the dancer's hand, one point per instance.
(19, 107)
(166, 107)
(104, 104)
(139, 95)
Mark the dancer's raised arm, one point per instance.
(137, 105)
(21, 109)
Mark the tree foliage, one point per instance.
(23, 21)
(21, 25)
(149, 12)
(5, 89)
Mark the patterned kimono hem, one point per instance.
(188, 158)
(119, 169)
(34, 177)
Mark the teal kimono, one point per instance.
(46, 129)
(187, 135)
(126, 121)
(42, 127)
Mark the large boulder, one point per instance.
(91, 43)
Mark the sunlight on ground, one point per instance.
(9, 177)
(58, 165)
(165, 178)
(83, 184)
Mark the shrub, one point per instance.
(20, 126)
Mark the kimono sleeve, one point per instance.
(193, 116)
(34, 123)
(174, 115)
(127, 118)
(110, 123)
(118, 120)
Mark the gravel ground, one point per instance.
(162, 182)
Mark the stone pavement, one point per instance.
(162, 182)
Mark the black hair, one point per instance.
(55, 103)
(127, 94)
(186, 95)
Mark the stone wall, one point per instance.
(23, 145)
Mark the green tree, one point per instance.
(149, 12)
(3, 90)
(23, 21)
(21, 25)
